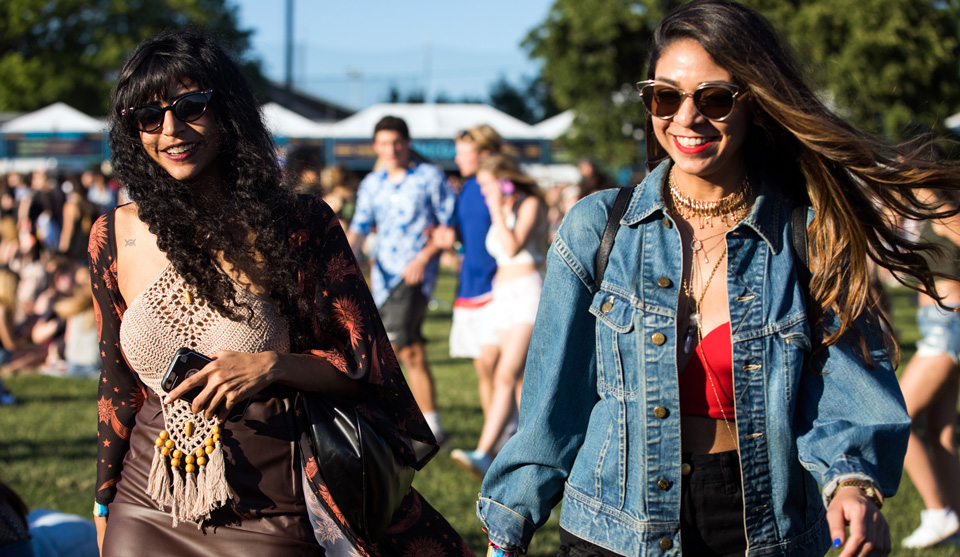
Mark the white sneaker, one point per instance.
(475, 462)
(433, 420)
(936, 525)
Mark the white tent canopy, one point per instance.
(56, 118)
(555, 126)
(433, 121)
(283, 122)
(953, 122)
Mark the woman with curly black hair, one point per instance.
(216, 256)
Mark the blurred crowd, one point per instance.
(47, 320)
(46, 315)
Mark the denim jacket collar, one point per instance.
(764, 218)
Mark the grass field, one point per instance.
(48, 440)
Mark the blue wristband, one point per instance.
(100, 510)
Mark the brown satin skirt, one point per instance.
(267, 515)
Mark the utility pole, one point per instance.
(355, 87)
(289, 60)
(427, 67)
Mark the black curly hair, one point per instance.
(192, 224)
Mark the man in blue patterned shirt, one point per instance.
(405, 200)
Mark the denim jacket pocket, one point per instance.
(615, 343)
(614, 310)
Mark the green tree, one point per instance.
(510, 100)
(592, 52)
(71, 50)
(890, 66)
(531, 101)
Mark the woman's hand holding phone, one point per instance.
(226, 383)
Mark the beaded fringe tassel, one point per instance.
(158, 485)
(192, 496)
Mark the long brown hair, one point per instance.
(484, 138)
(847, 175)
(506, 168)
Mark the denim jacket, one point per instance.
(600, 421)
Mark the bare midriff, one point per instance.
(507, 273)
(700, 434)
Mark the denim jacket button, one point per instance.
(666, 543)
(667, 223)
(685, 469)
(660, 412)
(663, 282)
(663, 484)
(607, 306)
(658, 338)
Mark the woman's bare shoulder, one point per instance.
(139, 260)
(126, 215)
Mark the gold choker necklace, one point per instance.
(730, 209)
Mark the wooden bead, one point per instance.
(216, 437)
(208, 441)
(188, 430)
(201, 460)
(163, 434)
(189, 468)
(159, 442)
(175, 462)
(215, 430)
(177, 454)
(208, 449)
(199, 452)
(169, 444)
(190, 459)
(165, 451)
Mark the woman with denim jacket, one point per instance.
(699, 396)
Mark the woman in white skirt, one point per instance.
(517, 241)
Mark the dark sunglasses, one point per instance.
(188, 107)
(713, 100)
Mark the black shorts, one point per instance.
(402, 315)
(711, 511)
(711, 505)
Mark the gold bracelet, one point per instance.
(868, 488)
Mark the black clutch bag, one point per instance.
(366, 477)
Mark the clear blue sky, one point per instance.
(453, 47)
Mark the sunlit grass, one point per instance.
(48, 440)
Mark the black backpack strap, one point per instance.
(610, 232)
(800, 234)
(802, 261)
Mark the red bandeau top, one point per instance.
(714, 355)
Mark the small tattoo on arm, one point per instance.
(130, 243)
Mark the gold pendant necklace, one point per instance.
(696, 328)
(695, 319)
(730, 209)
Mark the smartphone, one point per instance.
(185, 363)
(507, 187)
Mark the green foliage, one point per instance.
(531, 101)
(890, 66)
(593, 52)
(71, 50)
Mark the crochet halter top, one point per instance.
(188, 466)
